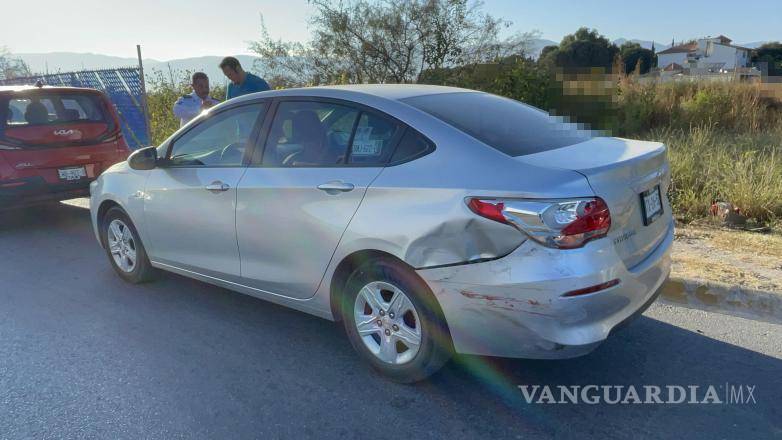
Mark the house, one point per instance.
(678, 55)
(706, 55)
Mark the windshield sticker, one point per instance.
(363, 145)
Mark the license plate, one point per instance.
(72, 173)
(651, 204)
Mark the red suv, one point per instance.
(54, 141)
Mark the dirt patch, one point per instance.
(746, 259)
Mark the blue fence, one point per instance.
(123, 87)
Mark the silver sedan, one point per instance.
(429, 220)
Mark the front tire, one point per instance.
(394, 321)
(123, 247)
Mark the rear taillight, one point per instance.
(490, 209)
(564, 224)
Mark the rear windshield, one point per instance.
(41, 108)
(509, 126)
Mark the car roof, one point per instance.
(395, 92)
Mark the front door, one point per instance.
(190, 201)
(294, 204)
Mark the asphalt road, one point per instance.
(84, 355)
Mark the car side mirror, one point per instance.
(143, 159)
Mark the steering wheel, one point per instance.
(232, 153)
(289, 159)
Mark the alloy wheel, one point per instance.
(387, 322)
(122, 245)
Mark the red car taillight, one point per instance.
(490, 209)
(564, 224)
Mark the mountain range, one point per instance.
(54, 62)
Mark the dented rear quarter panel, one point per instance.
(417, 211)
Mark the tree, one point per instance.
(514, 77)
(635, 57)
(584, 49)
(378, 41)
(769, 56)
(547, 50)
(12, 67)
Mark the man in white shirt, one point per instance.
(189, 106)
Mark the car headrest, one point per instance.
(71, 115)
(306, 127)
(36, 113)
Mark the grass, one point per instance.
(709, 164)
(730, 106)
(724, 139)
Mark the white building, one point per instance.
(707, 55)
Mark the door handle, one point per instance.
(336, 186)
(217, 186)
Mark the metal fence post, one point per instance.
(144, 94)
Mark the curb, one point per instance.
(727, 299)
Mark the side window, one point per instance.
(373, 140)
(219, 140)
(309, 134)
(411, 146)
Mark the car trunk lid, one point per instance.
(619, 171)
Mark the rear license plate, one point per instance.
(651, 204)
(75, 173)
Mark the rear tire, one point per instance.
(123, 247)
(394, 322)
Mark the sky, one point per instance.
(170, 29)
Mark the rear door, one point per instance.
(296, 200)
(59, 136)
(190, 201)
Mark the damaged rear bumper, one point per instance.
(513, 306)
